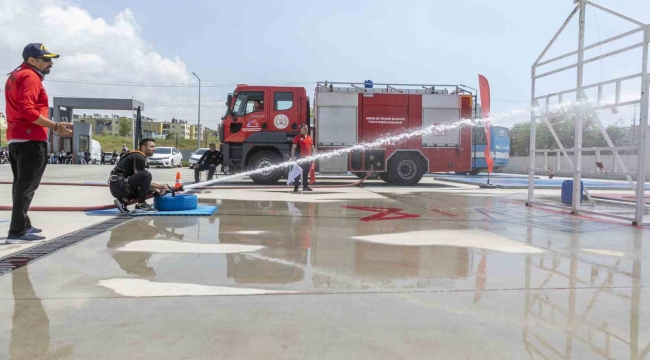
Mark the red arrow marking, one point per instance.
(382, 213)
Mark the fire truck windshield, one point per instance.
(248, 102)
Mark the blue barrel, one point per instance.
(567, 191)
(367, 84)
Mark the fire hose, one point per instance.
(112, 206)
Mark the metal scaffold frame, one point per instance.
(575, 162)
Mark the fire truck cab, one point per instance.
(262, 121)
(259, 127)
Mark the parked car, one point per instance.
(166, 156)
(195, 156)
(108, 156)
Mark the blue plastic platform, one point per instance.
(199, 211)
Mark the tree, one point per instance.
(170, 136)
(125, 126)
(563, 123)
(520, 139)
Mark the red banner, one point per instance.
(484, 87)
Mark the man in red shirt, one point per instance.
(305, 146)
(27, 132)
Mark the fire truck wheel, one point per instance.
(475, 172)
(405, 169)
(265, 159)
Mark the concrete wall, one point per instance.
(80, 129)
(519, 165)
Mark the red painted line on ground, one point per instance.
(443, 212)
(383, 213)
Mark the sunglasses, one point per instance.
(44, 59)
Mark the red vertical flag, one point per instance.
(484, 87)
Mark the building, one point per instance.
(155, 127)
(3, 122)
(181, 129)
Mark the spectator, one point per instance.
(208, 161)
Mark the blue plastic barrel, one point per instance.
(368, 84)
(567, 191)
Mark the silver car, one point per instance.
(196, 156)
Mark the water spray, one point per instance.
(563, 108)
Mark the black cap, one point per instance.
(37, 50)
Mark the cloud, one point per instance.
(94, 49)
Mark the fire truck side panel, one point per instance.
(381, 115)
(415, 119)
(336, 115)
(441, 110)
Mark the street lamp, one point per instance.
(198, 128)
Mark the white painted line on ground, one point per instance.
(178, 247)
(604, 252)
(465, 238)
(146, 288)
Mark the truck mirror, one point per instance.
(229, 101)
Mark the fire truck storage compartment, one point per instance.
(368, 160)
(337, 118)
(441, 109)
(334, 164)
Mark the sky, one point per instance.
(152, 48)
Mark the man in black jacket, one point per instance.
(131, 180)
(209, 161)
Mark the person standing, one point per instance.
(27, 132)
(208, 161)
(305, 146)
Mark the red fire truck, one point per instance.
(261, 122)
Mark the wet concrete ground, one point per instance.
(433, 272)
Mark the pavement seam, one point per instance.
(29, 255)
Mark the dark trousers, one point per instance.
(305, 176)
(28, 161)
(134, 187)
(210, 167)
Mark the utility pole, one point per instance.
(198, 127)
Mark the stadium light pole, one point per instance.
(198, 128)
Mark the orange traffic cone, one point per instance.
(179, 182)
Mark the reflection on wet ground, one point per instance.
(417, 275)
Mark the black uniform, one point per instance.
(209, 161)
(126, 183)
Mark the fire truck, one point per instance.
(262, 121)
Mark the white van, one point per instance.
(96, 152)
